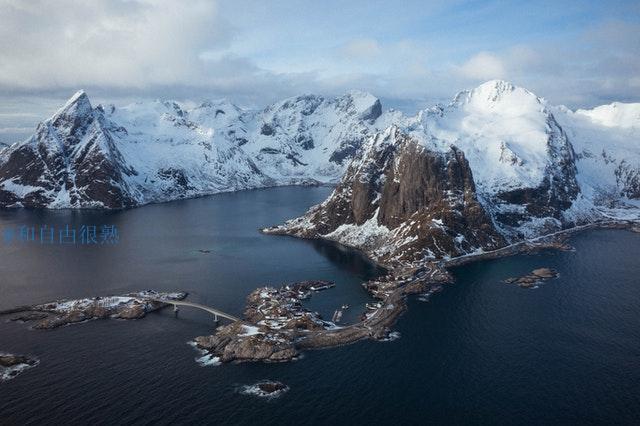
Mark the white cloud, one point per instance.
(361, 48)
(483, 66)
(256, 53)
(111, 43)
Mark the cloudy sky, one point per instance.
(578, 53)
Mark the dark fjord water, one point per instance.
(481, 352)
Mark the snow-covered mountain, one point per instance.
(522, 161)
(606, 140)
(110, 157)
(496, 165)
(402, 201)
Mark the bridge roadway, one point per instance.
(215, 312)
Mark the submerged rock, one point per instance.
(12, 365)
(265, 389)
(534, 278)
(29, 316)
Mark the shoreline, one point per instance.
(401, 281)
(276, 327)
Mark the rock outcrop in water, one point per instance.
(534, 278)
(12, 365)
(265, 389)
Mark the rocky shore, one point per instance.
(12, 365)
(274, 321)
(63, 312)
(276, 327)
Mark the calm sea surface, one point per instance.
(481, 352)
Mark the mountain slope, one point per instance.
(403, 202)
(72, 160)
(495, 166)
(607, 144)
(157, 151)
(521, 158)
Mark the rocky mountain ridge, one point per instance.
(496, 165)
(493, 167)
(108, 157)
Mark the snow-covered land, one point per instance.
(495, 165)
(109, 157)
(509, 163)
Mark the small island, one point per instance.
(51, 315)
(534, 278)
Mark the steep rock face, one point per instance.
(522, 160)
(108, 157)
(548, 199)
(70, 161)
(495, 166)
(403, 202)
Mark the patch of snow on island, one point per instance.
(250, 330)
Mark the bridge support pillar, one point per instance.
(215, 320)
(175, 310)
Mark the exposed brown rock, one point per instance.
(544, 273)
(14, 360)
(135, 311)
(426, 199)
(271, 387)
(230, 344)
(534, 278)
(30, 316)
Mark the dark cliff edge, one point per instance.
(403, 203)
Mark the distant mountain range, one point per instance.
(108, 157)
(497, 164)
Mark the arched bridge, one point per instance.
(215, 312)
